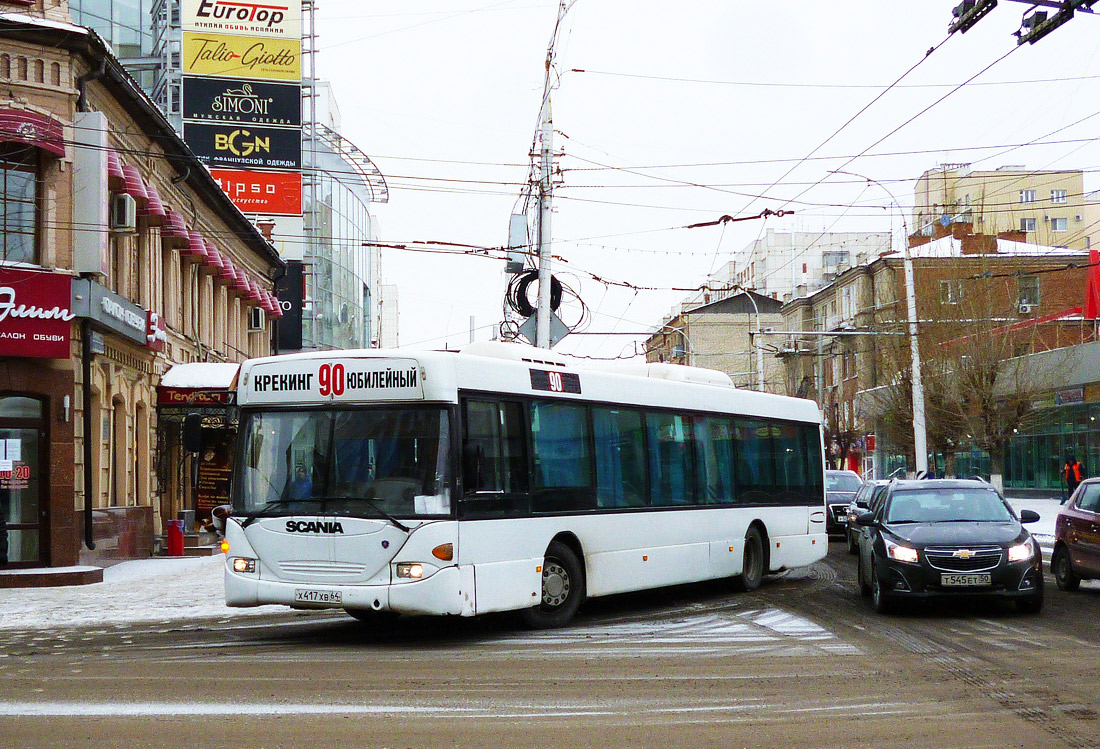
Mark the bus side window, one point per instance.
(671, 459)
(755, 462)
(714, 453)
(492, 449)
(561, 456)
(815, 486)
(620, 457)
(790, 462)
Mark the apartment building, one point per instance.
(1050, 207)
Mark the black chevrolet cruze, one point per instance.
(947, 538)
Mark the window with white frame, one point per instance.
(1059, 224)
(1027, 224)
(1027, 196)
(1029, 290)
(1057, 196)
(951, 291)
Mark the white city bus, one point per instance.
(506, 478)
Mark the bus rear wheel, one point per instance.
(562, 589)
(752, 566)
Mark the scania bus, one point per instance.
(508, 478)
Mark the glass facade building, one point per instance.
(338, 312)
(341, 309)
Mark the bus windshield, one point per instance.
(366, 462)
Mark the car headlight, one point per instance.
(244, 565)
(1021, 552)
(901, 553)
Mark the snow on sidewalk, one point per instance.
(160, 589)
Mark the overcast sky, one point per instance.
(706, 103)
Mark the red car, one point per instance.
(1077, 538)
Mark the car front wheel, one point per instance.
(879, 601)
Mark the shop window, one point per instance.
(17, 407)
(19, 212)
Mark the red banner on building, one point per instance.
(274, 193)
(35, 313)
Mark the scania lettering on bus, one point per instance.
(312, 526)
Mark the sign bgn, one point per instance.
(244, 146)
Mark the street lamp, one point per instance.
(920, 434)
(754, 340)
(684, 335)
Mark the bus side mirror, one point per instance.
(192, 433)
(471, 467)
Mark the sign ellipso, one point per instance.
(226, 56)
(244, 101)
(271, 18)
(231, 145)
(271, 193)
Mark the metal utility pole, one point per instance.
(920, 424)
(546, 187)
(920, 436)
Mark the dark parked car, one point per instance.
(860, 504)
(1077, 538)
(840, 487)
(948, 538)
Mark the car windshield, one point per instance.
(368, 462)
(947, 505)
(842, 482)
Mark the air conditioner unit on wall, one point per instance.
(257, 320)
(123, 214)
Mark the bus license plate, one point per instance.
(965, 581)
(319, 597)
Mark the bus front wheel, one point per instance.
(562, 589)
(752, 567)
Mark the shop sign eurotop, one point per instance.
(271, 18)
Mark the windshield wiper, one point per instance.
(370, 502)
(249, 517)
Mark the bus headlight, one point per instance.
(411, 570)
(244, 565)
(1020, 552)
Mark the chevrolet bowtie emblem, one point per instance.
(963, 554)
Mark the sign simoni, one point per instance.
(248, 102)
(271, 18)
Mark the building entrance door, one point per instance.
(23, 514)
